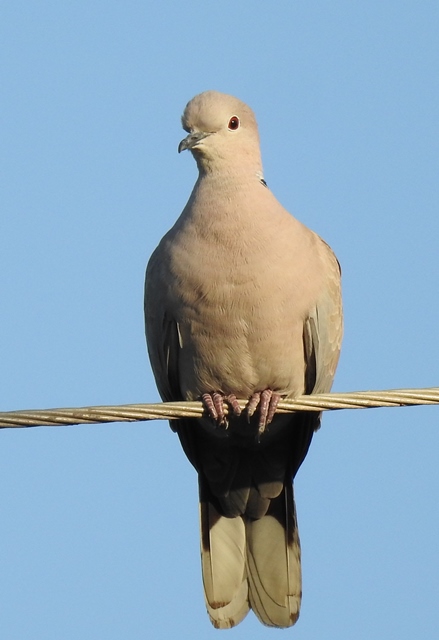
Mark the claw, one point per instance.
(264, 405)
(214, 405)
(274, 401)
(253, 404)
(234, 405)
(267, 402)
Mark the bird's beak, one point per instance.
(192, 140)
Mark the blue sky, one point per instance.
(98, 527)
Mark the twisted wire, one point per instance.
(174, 410)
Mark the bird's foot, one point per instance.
(214, 404)
(267, 402)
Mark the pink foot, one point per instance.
(267, 402)
(214, 405)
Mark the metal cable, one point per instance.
(173, 410)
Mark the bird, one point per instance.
(242, 302)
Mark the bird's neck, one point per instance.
(229, 167)
(233, 174)
(229, 184)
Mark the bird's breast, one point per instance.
(240, 322)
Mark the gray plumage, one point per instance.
(242, 299)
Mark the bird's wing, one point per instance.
(323, 331)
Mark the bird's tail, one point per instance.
(273, 563)
(252, 563)
(223, 561)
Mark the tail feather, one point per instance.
(252, 563)
(273, 563)
(224, 567)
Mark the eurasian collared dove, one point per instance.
(242, 301)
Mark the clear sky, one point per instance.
(99, 524)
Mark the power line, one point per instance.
(173, 410)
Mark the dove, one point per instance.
(242, 302)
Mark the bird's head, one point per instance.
(222, 131)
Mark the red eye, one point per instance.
(233, 123)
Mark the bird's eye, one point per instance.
(233, 123)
